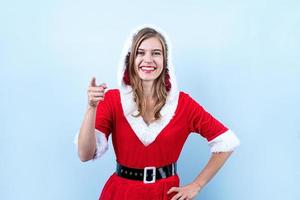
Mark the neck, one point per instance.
(148, 87)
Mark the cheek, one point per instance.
(160, 70)
(160, 65)
(136, 63)
(160, 62)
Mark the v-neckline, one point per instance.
(147, 134)
(140, 141)
(146, 123)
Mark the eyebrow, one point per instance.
(151, 50)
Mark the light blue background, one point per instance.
(239, 59)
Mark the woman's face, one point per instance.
(149, 59)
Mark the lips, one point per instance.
(147, 69)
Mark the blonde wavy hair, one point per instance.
(162, 84)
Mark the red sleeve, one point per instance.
(202, 122)
(104, 115)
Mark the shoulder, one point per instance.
(185, 96)
(111, 93)
(187, 99)
(112, 96)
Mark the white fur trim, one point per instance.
(147, 134)
(225, 142)
(101, 143)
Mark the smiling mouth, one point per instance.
(147, 69)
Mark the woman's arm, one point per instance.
(87, 137)
(190, 191)
(215, 162)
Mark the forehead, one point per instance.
(150, 43)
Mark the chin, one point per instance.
(148, 78)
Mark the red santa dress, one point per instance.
(135, 150)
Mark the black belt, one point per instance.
(147, 174)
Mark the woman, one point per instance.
(149, 121)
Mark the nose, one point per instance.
(148, 58)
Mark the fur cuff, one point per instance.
(101, 143)
(225, 142)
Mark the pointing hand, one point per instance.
(95, 92)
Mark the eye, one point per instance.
(156, 53)
(140, 53)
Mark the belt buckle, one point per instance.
(153, 175)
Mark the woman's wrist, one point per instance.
(198, 185)
(91, 107)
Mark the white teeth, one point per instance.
(148, 68)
